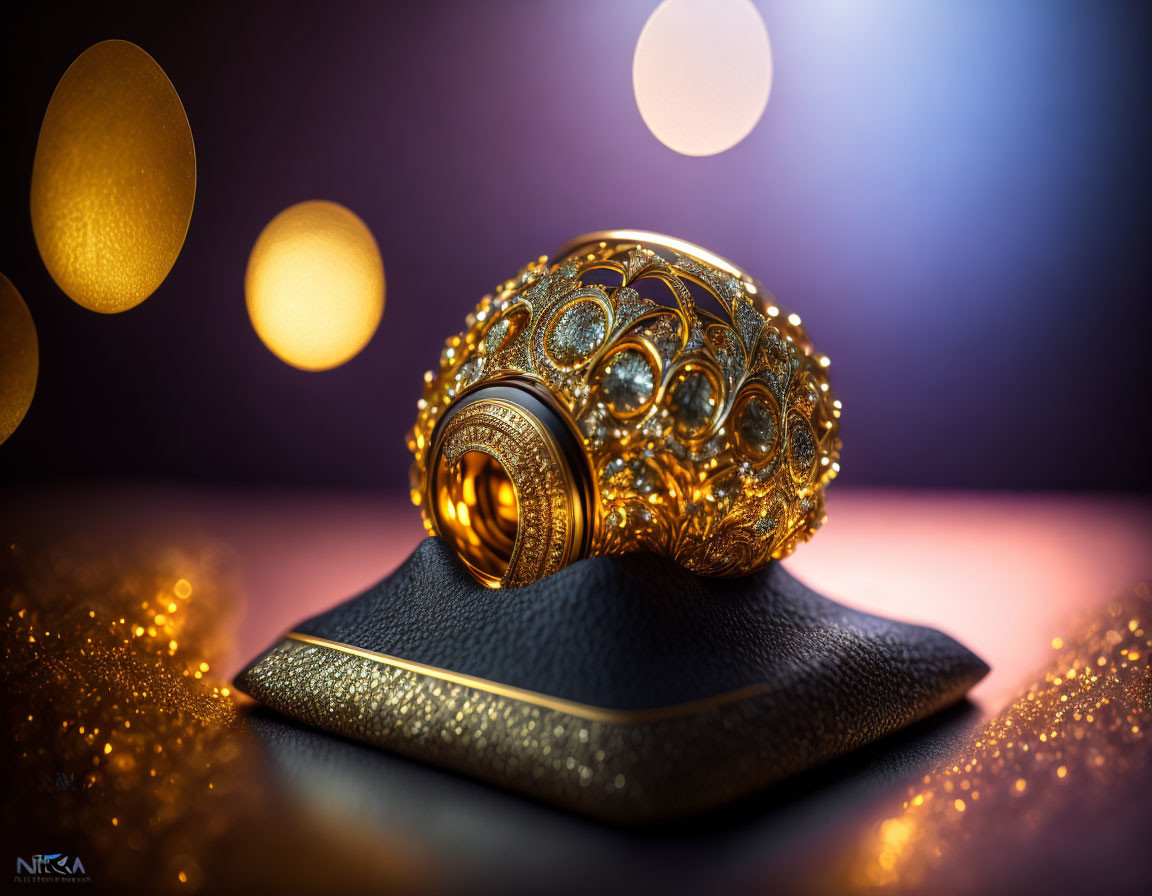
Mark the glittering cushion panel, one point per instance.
(622, 687)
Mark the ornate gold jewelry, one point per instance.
(637, 393)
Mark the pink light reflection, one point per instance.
(1001, 572)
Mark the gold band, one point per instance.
(635, 393)
(499, 460)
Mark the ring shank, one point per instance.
(505, 437)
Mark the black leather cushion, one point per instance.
(805, 679)
(637, 631)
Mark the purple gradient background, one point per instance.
(954, 196)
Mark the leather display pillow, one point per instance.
(623, 687)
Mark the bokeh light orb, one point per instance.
(114, 178)
(315, 285)
(19, 358)
(702, 73)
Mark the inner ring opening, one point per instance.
(478, 512)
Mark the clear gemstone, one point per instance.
(806, 398)
(801, 447)
(664, 333)
(577, 333)
(497, 334)
(593, 427)
(757, 426)
(636, 475)
(627, 381)
(692, 404)
(729, 353)
(504, 329)
(630, 305)
(749, 323)
(469, 371)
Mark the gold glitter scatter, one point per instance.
(1081, 722)
(83, 654)
(145, 771)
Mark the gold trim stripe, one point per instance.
(535, 698)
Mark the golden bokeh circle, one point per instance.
(114, 178)
(315, 285)
(19, 358)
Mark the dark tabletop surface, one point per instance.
(243, 799)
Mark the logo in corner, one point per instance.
(55, 866)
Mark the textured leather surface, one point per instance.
(634, 632)
(638, 631)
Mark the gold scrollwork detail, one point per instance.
(702, 411)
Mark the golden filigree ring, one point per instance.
(634, 393)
